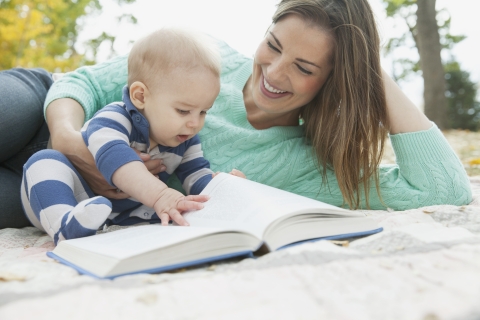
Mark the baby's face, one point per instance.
(176, 110)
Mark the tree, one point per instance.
(429, 30)
(463, 110)
(429, 49)
(44, 33)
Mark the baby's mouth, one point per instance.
(183, 137)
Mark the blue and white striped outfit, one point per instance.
(57, 199)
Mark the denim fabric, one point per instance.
(23, 132)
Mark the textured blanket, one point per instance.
(424, 265)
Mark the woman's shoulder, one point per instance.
(231, 58)
(118, 63)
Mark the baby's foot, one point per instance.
(85, 219)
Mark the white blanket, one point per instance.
(424, 265)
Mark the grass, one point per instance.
(465, 143)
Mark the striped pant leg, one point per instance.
(57, 200)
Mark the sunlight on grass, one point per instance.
(465, 143)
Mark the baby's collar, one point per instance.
(128, 103)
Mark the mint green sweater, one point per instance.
(427, 171)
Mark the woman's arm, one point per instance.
(404, 116)
(428, 172)
(65, 119)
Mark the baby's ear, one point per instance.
(137, 94)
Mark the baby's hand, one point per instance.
(172, 204)
(234, 172)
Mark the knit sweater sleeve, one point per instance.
(428, 172)
(92, 86)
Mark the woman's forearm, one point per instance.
(403, 115)
(65, 118)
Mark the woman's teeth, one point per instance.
(270, 88)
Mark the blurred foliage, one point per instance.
(463, 110)
(461, 92)
(405, 11)
(43, 33)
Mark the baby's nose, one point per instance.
(194, 123)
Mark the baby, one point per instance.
(173, 80)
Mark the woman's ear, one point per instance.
(138, 91)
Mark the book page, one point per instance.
(251, 206)
(128, 242)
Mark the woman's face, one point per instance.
(291, 65)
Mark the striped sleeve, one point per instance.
(194, 170)
(107, 136)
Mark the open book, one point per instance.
(241, 217)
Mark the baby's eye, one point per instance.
(183, 112)
(203, 112)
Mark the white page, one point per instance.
(251, 206)
(128, 242)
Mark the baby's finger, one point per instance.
(198, 198)
(164, 217)
(177, 217)
(186, 205)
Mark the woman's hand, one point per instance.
(234, 172)
(155, 166)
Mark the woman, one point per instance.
(318, 64)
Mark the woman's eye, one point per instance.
(183, 112)
(303, 70)
(271, 46)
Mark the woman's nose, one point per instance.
(276, 71)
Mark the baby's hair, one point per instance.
(169, 49)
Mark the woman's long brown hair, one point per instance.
(347, 121)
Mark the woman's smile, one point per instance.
(271, 91)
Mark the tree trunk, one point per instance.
(429, 48)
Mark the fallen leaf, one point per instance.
(148, 298)
(8, 276)
(343, 243)
(474, 161)
(212, 268)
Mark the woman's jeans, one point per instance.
(23, 132)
